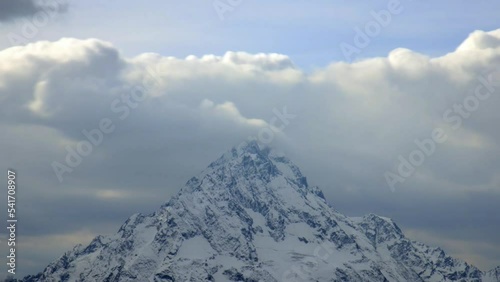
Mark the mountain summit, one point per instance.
(251, 216)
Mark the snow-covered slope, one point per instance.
(251, 216)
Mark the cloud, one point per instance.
(480, 40)
(13, 9)
(172, 116)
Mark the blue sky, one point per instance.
(353, 119)
(309, 32)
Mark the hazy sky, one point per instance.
(355, 112)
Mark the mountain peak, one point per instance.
(251, 216)
(250, 148)
(259, 162)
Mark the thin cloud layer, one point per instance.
(166, 118)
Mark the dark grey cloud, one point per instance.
(13, 9)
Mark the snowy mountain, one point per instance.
(251, 216)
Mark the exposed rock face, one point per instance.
(251, 216)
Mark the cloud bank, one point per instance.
(170, 117)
